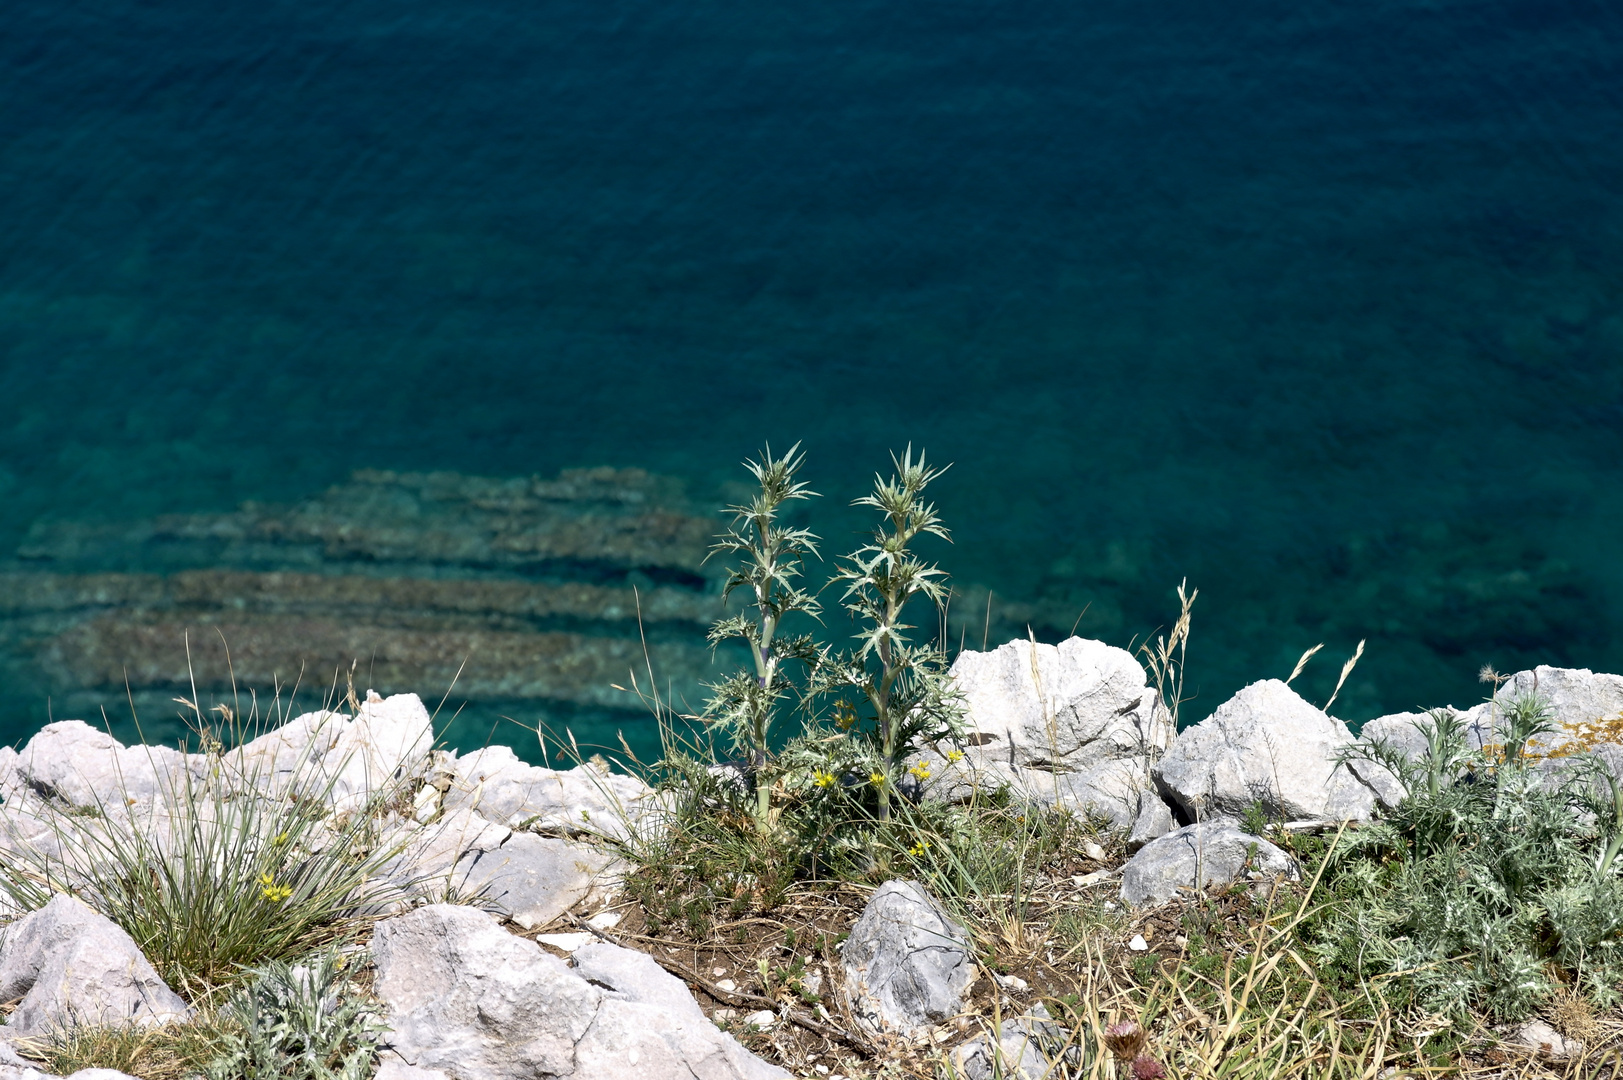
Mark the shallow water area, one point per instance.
(1316, 305)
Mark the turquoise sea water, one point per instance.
(1317, 305)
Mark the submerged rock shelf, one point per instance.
(527, 593)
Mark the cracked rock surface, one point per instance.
(466, 997)
(1265, 744)
(1211, 853)
(907, 965)
(1075, 724)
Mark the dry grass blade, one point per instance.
(1346, 669)
(1302, 663)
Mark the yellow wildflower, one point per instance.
(919, 848)
(271, 891)
(920, 771)
(954, 756)
(823, 779)
(876, 778)
(845, 717)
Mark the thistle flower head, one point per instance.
(1125, 1039)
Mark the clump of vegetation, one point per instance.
(304, 1021)
(1493, 891)
(232, 867)
(906, 699)
(299, 1022)
(836, 797)
(175, 1051)
(1494, 885)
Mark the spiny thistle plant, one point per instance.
(904, 684)
(771, 558)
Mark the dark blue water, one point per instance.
(1319, 305)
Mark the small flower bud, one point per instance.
(1147, 1068)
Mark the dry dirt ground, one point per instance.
(1067, 944)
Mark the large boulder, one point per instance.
(84, 768)
(1587, 709)
(70, 965)
(907, 965)
(1196, 856)
(588, 799)
(1074, 723)
(466, 997)
(345, 760)
(1265, 745)
(1586, 706)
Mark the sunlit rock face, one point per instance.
(523, 590)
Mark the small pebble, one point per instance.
(718, 972)
(763, 1019)
(566, 942)
(728, 985)
(1181, 942)
(604, 920)
(1093, 851)
(1138, 944)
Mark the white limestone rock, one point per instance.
(84, 768)
(345, 759)
(1267, 745)
(1029, 1047)
(424, 866)
(466, 997)
(1580, 700)
(70, 965)
(1154, 821)
(585, 800)
(907, 964)
(534, 879)
(1195, 856)
(1073, 723)
(1543, 1041)
(1578, 697)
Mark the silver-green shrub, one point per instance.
(1496, 878)
(300, 1022)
